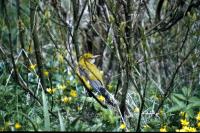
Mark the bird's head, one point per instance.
(89, 57)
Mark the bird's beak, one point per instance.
(96, 56)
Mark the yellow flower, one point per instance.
(187, 129)
(51, 90)
(198, 124)
(198, 117)
(184, 122)
(136, 109)
(163, 129)
(101, 98)
(18, 125)
(46, 73)
(73, 93)
(198, 113)
(32, 66)
(66, 99)
(192, 129)
(181, 130)
(62, 87)
(122, 126)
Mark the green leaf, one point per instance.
(194, 99)
(194, 104)
(75, 121)
(180, 96)
(186, 91)
(46, 113)
(62, 125)
(190, 112)
(177, 101)
(176, 108)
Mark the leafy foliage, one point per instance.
(149, 57)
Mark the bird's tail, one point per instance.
(106, 95)
(100, 89)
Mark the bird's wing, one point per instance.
(94, 72)
(85, 75)
(90, 73)
(96, 84)
(80, 72)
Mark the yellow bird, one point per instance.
(92, 76)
